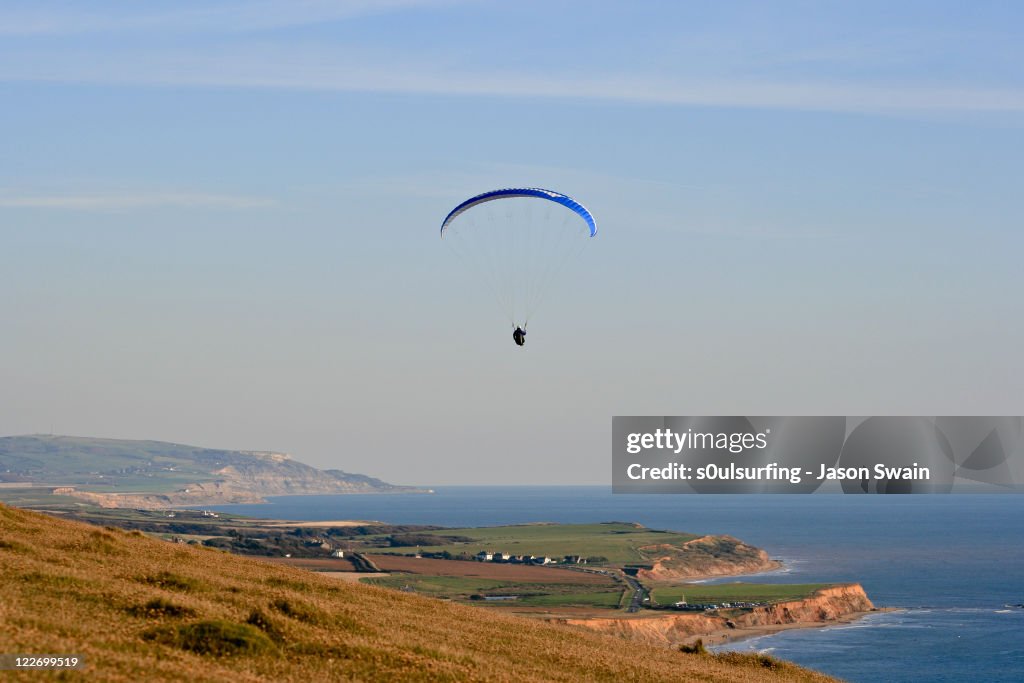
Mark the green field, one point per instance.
(531, 594)
(606, 597)
(601, 600)
(618, 542)
(446, 586)
(36, 497)
(734, 592)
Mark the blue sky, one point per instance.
(218, 221)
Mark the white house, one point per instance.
(338, 553)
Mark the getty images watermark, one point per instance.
(824, 454)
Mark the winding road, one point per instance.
(639, 592)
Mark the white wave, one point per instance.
(789, 566)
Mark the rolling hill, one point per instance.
(138, 608)
(124, 473)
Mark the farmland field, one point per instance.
(616, 542)
(486, 570)
(528, 593)
(603, 600)
(734, 592)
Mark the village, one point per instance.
(684, 606)
(488, 556)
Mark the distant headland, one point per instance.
(41, 469)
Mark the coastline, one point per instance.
(832, 605)
(735, 635)
(836, 605)
(712, 638)
(676, 629)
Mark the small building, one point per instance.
(484, 556)
(338, 553)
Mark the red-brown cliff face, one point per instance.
(827, 604)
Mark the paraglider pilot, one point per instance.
(519, 335)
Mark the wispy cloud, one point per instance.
(38, 20)
(272, 67)
(127, 201)
(734, 65)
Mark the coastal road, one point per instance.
(636, 601)
(638, 593)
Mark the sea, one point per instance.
(952, 565)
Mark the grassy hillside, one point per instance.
(121, 467)
(103, 463)
(143, 609)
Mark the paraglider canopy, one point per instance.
(519, 240)
(557, 197)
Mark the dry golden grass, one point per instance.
(142, 609)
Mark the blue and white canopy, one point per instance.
(537, 192)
